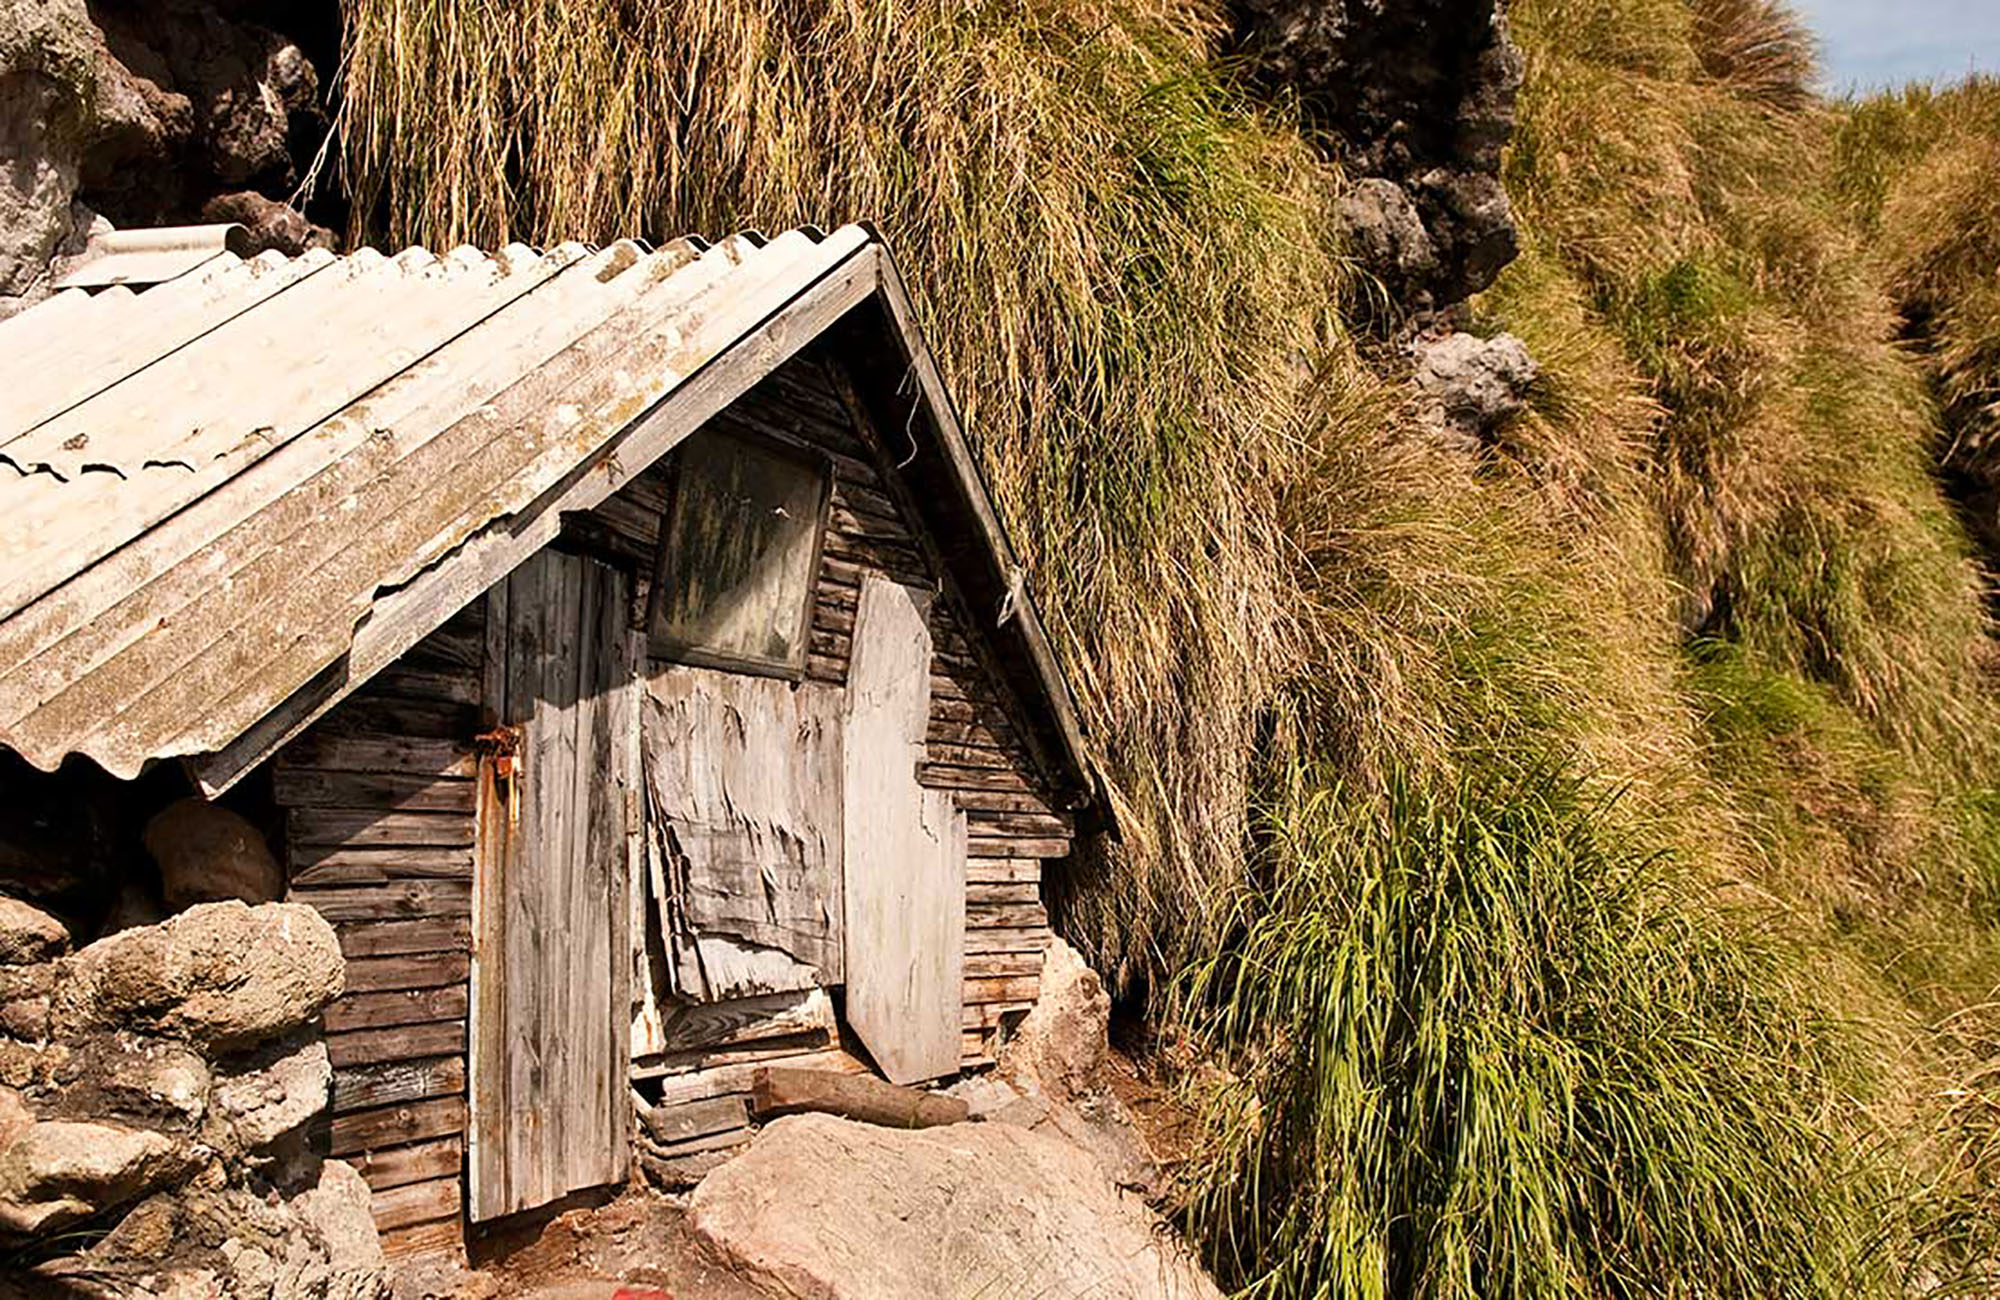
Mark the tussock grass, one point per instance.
(1920, 169)
(1518, 1057)
(1125, 269)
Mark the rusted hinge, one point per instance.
(499, 752)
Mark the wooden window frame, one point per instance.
(658, 646)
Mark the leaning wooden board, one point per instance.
(905, 859)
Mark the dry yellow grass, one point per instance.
(1363, 697)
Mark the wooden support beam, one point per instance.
(775, 1090)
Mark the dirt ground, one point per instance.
(635, 1247)
(638, 1246)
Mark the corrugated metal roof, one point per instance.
(245, 482)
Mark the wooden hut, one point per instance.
(623, 638)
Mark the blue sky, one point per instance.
(1870, 43)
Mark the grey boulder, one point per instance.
(222, 976)
(831, 1209)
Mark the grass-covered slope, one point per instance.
(1571, 866)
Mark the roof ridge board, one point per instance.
(82, 543)
(309, 495)
(136, 568)
(396, 617)
(161, 329)
(116, 429)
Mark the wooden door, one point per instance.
(743, 779)
(551, 966)
(905, 850)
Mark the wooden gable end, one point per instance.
(971, 746)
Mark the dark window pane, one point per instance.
(737, 552)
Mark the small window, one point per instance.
(739, 545)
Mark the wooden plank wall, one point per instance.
(972, 748)
(379, 799)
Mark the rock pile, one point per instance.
(1420, 95)
(155, 1093)
(146, 114)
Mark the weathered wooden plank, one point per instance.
(414, 755)
(399, 1166)
(989, 733)
(963, 686)
(688, 1026)
(708, 1058)
(625, 801)
(1013, 891)
(1023, 988)
(890, 558)
(1021, 939)
(993, 1015)
(745, 772)
(1010, 846)
(396, 938)
(905, 860)
(446, 1238)
(325, 866)
(400, 1007)
(310, 787)
(411, 1203)
(392, 1126)
(398, 1043)
(679, 1088)
(390, 901)
(354, 828)
(1001, 870)
(1031, 825)
(706, 1142)
(972, 756)
(670, 1124)
(365, 1087)
(868, 528)
(981, 916)
(989, 965)
(999, 801)
(946, 776)
(459, 643)
(851, 493)
(778, 1090)
(389, 973)
(365, 716)
(406, 678)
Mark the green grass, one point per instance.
(1518, 1057)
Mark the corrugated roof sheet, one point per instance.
(218, 491)
(142, 257)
